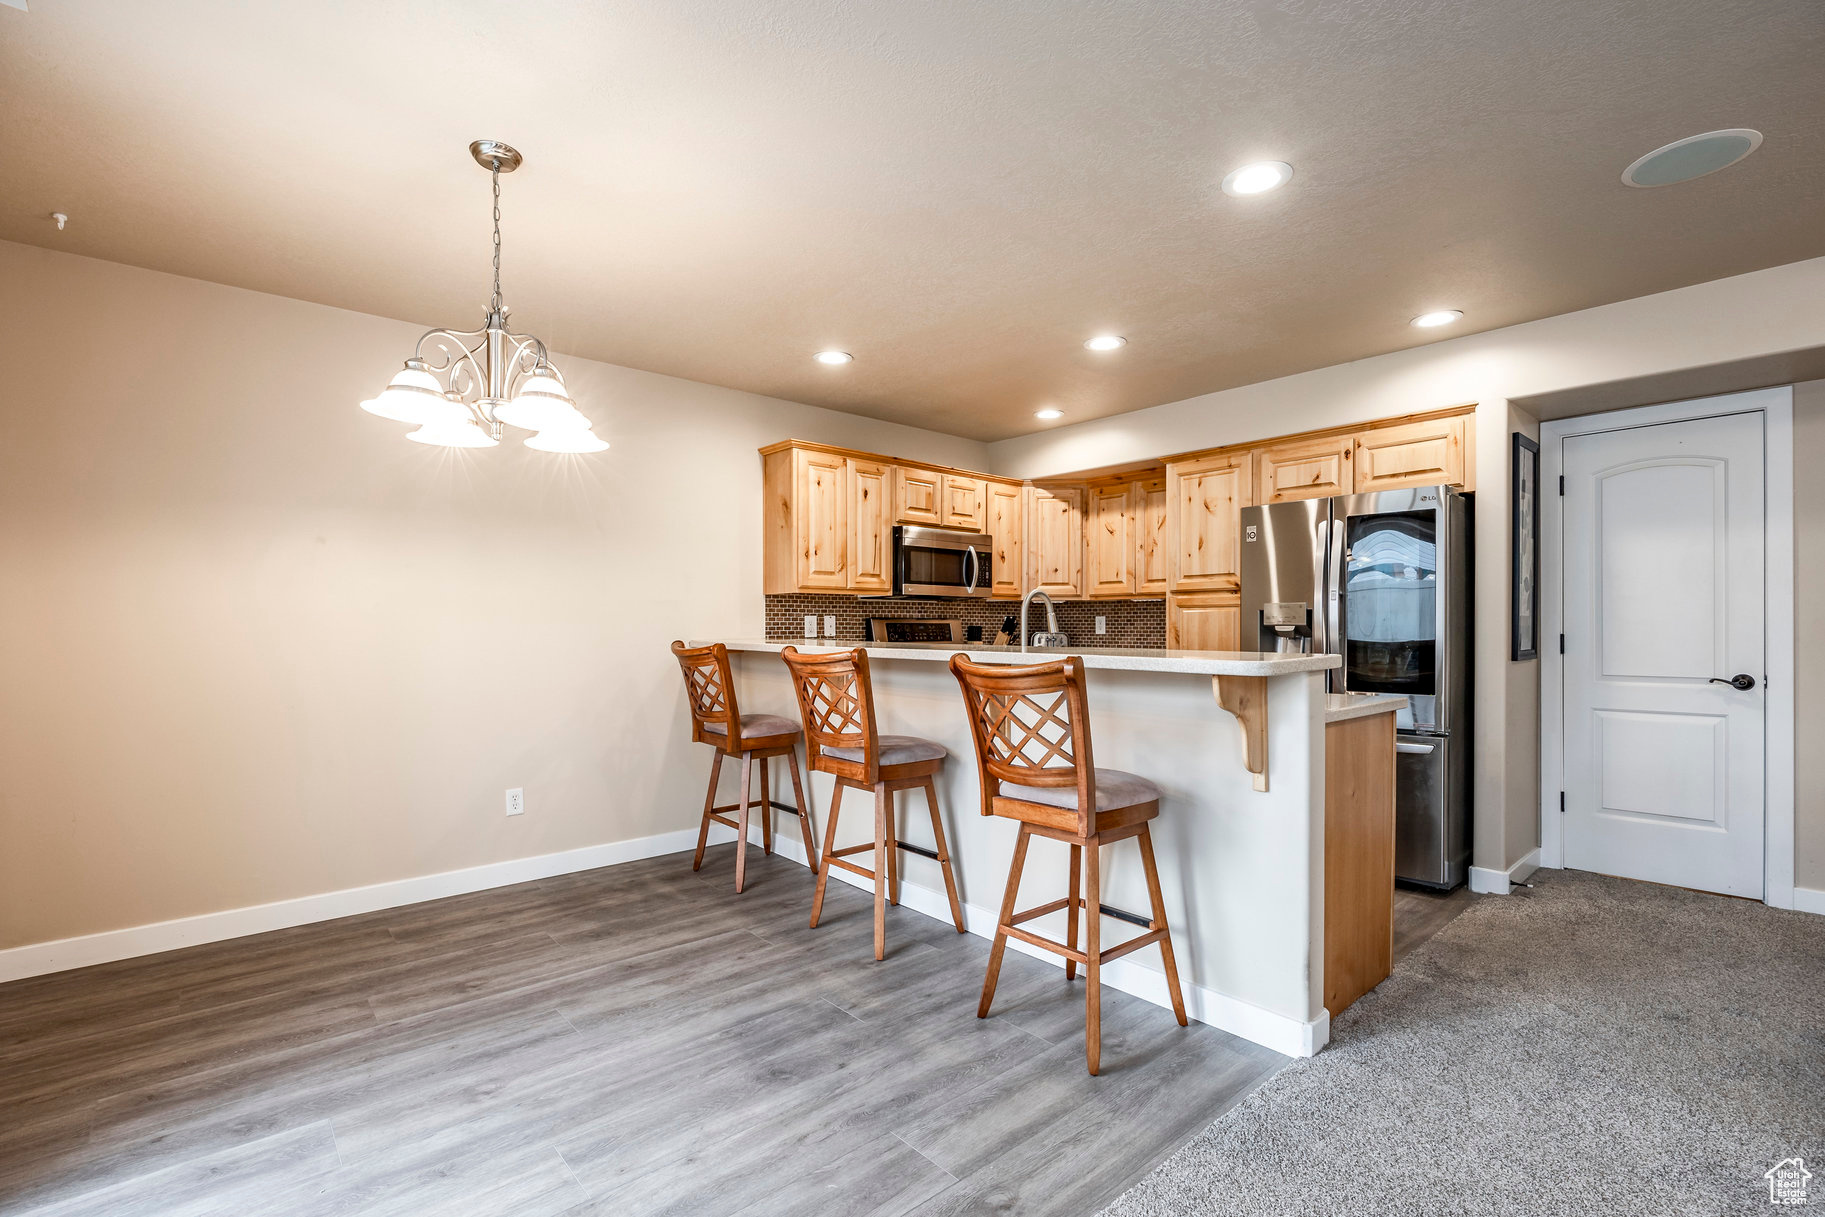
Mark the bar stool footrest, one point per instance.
(920, 850)
(1145, 923)
(851, 867)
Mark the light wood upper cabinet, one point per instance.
(1109, 541)
(964, 503)
(1411, 454)
(821, 542)
(1006, 519)
(918, 497)
(1055, 540)
(1153, 546)
(870, 526)
(1204, 505)
(1204, 621)
(1305, 469)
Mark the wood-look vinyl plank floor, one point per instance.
(632, 1040)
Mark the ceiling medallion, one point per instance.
(461, 386)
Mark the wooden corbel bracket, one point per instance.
(1246, 698)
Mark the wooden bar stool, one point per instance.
(836, 703)
(1031, 725)
(716, 720)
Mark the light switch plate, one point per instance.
(516, 801)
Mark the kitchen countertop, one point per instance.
(1341, 706)
(1125, 659)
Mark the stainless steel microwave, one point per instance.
(941, 562)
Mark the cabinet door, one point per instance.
(1305, 469)
(821, 508)
(1109, 542)
(1204, 621)
(1055, 540)
(963, 503)
(1153, 550)
(1205, 516)
(918, 497)
(1005, 520)
(870, 526)
(1411, 454)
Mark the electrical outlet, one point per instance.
(830, 626)
(1102, 625)
(516, 801)
(811, 625)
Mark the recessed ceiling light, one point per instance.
(1694, 156)
(1048, 415)
(1444, 316)
(833, 358)
(1258, 178)
(1106, 342)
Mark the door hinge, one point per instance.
(1561, 802)
(1561, 485)
(1562, 644)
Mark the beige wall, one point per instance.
(1809, 634)
(255, 645)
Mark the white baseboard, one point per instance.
(1809, 900)
(1287, 1036)
(1492, 882)
(65, 953)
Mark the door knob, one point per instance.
(1742, 680)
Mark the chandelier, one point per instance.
(461, 386)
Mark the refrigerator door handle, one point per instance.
(1321, 540)
(1333, 626)
(1415, 749)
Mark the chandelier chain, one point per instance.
(495, 304)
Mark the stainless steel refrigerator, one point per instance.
(1383, 580)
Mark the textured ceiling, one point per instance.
(957, 192)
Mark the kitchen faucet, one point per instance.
(1052, 637)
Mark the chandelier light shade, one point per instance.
(461, 387)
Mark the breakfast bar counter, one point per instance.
(1235, 740)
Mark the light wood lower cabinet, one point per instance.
(870, 526)
(1358, 857)
(1412, 454)
(1006, 522)
(1109, 541)
(1055, 540)
(1204, 621)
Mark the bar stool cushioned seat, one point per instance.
(757, 726)
(895, 750)
(1114, 788)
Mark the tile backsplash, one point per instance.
(1131, 623)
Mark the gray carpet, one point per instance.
(1589, 1045)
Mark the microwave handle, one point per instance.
(974, 568)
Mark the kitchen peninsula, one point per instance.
(1242, 834)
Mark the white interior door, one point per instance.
(1664, 571)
